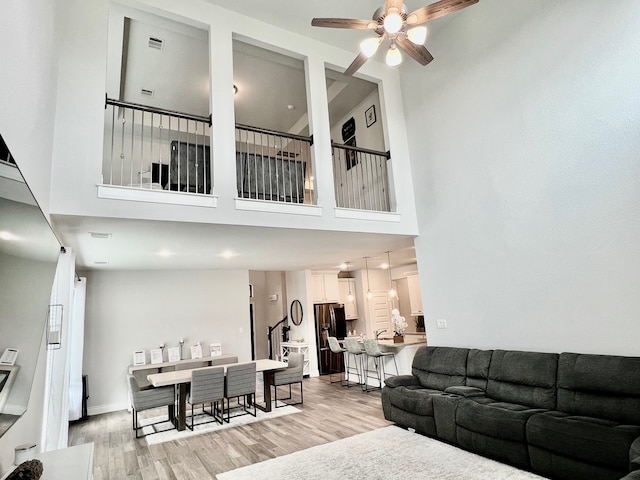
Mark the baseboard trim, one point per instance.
(100, 409)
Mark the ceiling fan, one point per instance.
(393, 25)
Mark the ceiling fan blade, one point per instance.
(437, 10)
(418, 52)
(356, 64)
(397, 4)
(345, 23)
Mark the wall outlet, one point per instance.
(442, 323)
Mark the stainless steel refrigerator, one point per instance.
(330, 322)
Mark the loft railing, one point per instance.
(273, 166)
(157, 149)
(5, 154)
(361, 178)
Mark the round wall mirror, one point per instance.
(296, 312)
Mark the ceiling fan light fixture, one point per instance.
(392, 23)
(417, 35)
(370, 46)
(394, 57)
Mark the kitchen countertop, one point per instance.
(408, 340)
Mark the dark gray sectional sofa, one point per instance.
(566, 416)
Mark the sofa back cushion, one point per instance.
(478, 368)
(439, 368)
(603, 386)
(525, 378)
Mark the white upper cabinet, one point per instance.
(347, 285)
(324, 287)
(415, 295)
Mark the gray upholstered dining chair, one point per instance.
(292, 375)
(207, 386)
(153, 397)
(240, 384)
(335, 349)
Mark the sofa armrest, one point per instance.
(401, 381)
(634, 455)
(465, 391)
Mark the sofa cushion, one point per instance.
(413, 399)
(603, 386)
(440, 367)
(478, 368)
(524, 378)
(493, 418)
(466, 391)
(591, 440)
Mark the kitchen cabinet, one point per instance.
(324, 287)
(295, 347)
(350, 307)
(415, 295)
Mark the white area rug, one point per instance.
(384, 454)
(174, 434)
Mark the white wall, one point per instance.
(524, 136)
(28, 89)
(296, 288)
(132, 310)
(22, 318)
(266, 312)
(27, 428)
(371, 137)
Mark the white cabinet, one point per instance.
(347, 285)
(324, 287)
(73, 462)
(295, 347)
(415, 295)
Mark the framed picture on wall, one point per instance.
(370, 115)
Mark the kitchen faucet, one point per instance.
(380, 332)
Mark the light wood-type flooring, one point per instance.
(330, 412)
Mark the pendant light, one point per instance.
(392, 291)
(366, 264)
(349, 295)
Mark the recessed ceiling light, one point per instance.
(4, 235)
(164, 253)
(228, 254)
(384, 265)
(343, 266)
(291, 107)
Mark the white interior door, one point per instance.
(380, 312)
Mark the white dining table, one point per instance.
(182, 378)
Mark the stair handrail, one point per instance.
(270, 329)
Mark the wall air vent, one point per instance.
(155, 42)
(146, 92)
(100, 235)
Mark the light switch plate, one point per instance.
(442, 323)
